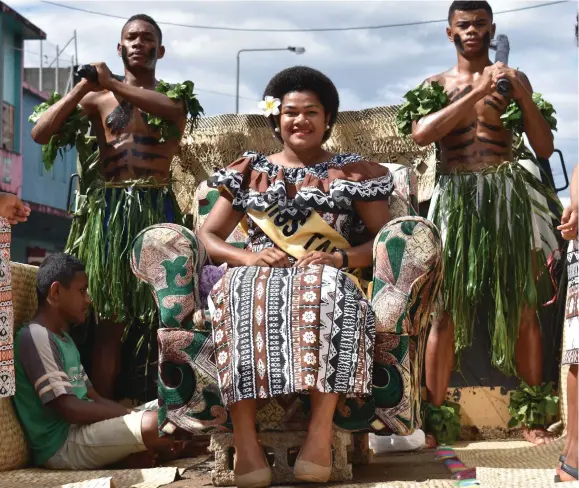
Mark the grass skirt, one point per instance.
(498, 243)
(101, 236)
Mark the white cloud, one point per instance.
(370, 67)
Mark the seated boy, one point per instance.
(67, 424)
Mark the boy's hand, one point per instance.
(12, 208)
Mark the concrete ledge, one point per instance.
(278, 445)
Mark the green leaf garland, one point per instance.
(420, 101)
(73, 133)
(179, 91)
(75, 130)
(513, 116)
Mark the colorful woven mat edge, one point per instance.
(461, 475)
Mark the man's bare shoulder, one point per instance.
(93, 101)
(441, 78)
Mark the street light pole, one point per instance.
(297, 50)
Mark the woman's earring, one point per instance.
(276, 129)
(327, 127)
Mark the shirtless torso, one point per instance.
(479, 139)
(129, 148)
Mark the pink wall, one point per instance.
(11, 172)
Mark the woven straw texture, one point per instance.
(512, 464)
(402, 484)
(23, 293)
(219, 140)
(129, 478)
(98, 483)
(13, 450)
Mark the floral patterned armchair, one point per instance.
(405, 283)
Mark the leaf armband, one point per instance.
(513, 116)
(179, 91)
(72, 134)
(421, 101)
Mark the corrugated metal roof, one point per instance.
(29, 30)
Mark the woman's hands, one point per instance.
(319, 257)
(268, 258)
(276, 258)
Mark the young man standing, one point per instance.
(497, 240)
(67, 423)
(135, 157)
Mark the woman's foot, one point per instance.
(317, 448)
(251, 469)
(314, 462)
(249, 458)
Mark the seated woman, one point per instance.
(287, 318)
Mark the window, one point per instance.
(7, 127)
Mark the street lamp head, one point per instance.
(297, 50)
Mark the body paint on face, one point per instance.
(486, 42)
(457, 43)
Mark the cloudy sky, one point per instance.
(370, 67)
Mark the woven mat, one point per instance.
(23, 293)
(128, 478)
(512, 464)
(403, 484)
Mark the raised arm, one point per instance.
(149, 101)
(536, 127)
(435, 126)
(52, 120)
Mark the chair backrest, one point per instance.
(402, 202)
(24, 300)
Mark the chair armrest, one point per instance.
(169, 258)
(407, 274)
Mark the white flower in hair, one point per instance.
(270, 106)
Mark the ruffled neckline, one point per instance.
(287, 170)
(333, 185)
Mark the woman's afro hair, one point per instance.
(301, 79)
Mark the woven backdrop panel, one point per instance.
(219, 140)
